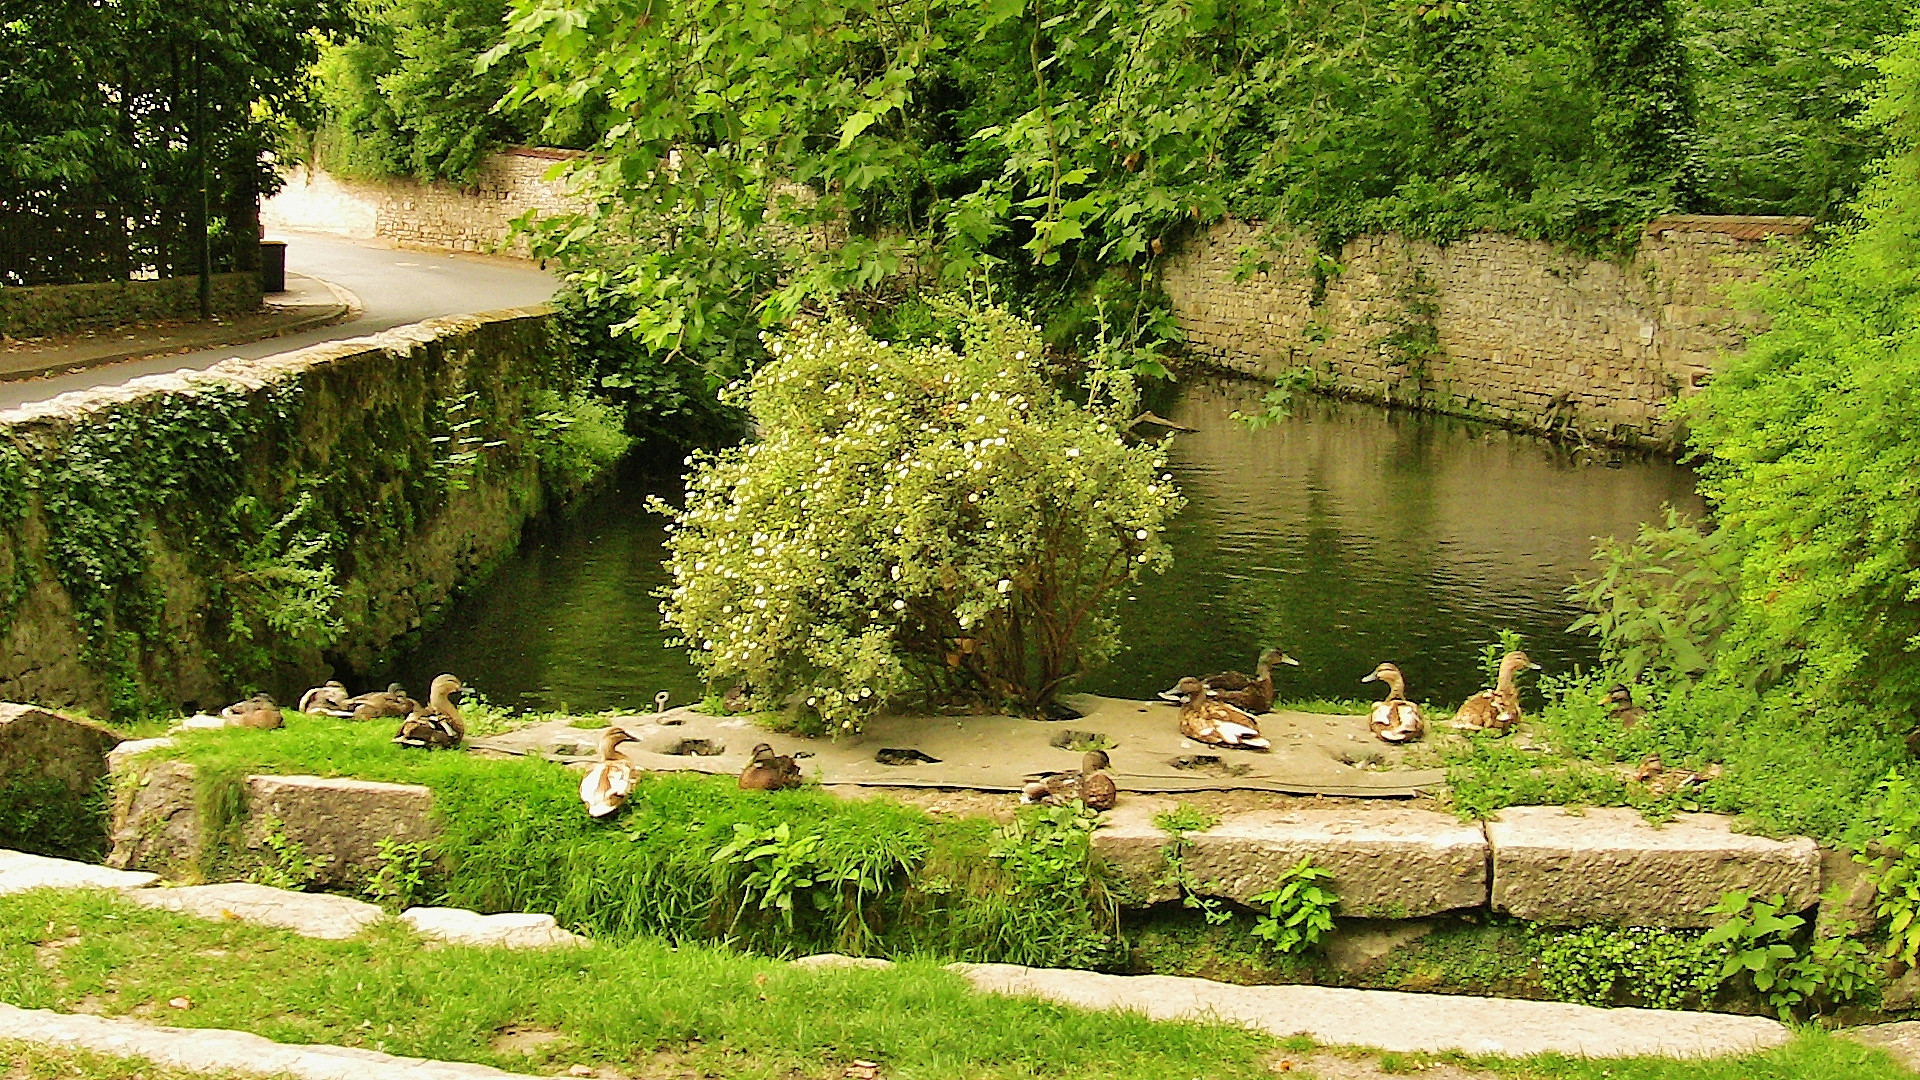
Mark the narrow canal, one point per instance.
(1346, 535)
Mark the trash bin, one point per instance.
(273, 266)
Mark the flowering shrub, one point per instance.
(912, 519)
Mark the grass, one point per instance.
(646, 1007)
(885, 878)
(31, 1061)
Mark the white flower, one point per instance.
(1073, 451)
(1141, 535)
(1003, 585)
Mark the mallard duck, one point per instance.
(769, 771)
(1210, 720)
(1394, 720)
(329, 699)
(380, 704)
(1621, 708)
(258, 712)
(1250, 693)
(437, 724)
(1498, 709)
(1091, 785)
(608, 783)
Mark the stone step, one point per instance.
(315, 915)
(1608, 865)
(20, 871)
(1395, 1021)
(218, 1050)
(511, 930)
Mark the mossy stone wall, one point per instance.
(32, 311)
(184, 538)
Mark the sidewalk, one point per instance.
(307, 303)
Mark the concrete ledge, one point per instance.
(20, 872)
(1392, 1020)
(512, 930)
(216, 1050)
(1609, 865)
(1387, 860)
(315, 915)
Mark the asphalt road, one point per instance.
(395, 286)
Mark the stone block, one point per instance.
(1846, 895)
(156, 823)
(510, 930)
(314, 915)
(20, 871)
(1387, 861)
(341, 819)
(51, 761)
(1610, 866)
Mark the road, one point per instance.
(396, 286)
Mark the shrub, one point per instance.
(912, 519)
(577, 438)
(1646, 966)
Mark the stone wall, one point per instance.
(36, 310)
(135, 520)
(475, 217)
(1518, 331)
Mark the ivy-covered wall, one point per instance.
(184, 538)
(29, 311)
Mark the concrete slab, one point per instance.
(1387, 860)
(1609, 865)
(20, 872)
(341, 819)
(1901, 1040)
(216, 1050)
(1394, 1021)
(315, 915)
(840, 960)
(458, 926)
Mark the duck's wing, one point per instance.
(1226, 680)
(1475, 713)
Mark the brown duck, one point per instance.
(608, 783)
(1621, 708)
(258, 712)
(329, 699)
(1091, 785)
(437, 724)
(1210, 720)
(769, 771)
(1249, 693)
(1496, 710)
(1395, 720)
(380, 704)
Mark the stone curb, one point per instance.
(1393, 1020)
(222, 1050)
(322, 316)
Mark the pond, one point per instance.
(1346, 535)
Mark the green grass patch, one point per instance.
(857, 876)
(647, 1007)
(32, 1061)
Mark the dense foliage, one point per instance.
(912, 519)
(110, 112)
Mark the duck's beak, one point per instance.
(1174, 696)
(1535, 667)
(1371, 677)
(1288, 660)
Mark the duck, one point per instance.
(1395, 720)
(1091, 785)
(257, 712)
(608, 783)
(1498, 709)
(327, 699)
(1621, 708)
(437, 724)
(1210, 720)
(769, 771)
(1251, 693)
(380, 704)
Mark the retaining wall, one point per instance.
(36, 310)
(1518, 331)
(147, 530)
(471, 217)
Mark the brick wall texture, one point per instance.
(1519, 331)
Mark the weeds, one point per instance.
(1299, 909)
(287, 864)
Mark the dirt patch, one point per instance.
(524, 1039)
(1322, 1065)
(47, 953)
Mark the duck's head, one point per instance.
(336, 684)
(1275, 656)
(1514, 663)
(1385, 673)
(263, 700)
(611, 738)
(1618, 694)
(762, 752)
(445, 686)
(1189, 688)
(396, 688)
(1094, 761)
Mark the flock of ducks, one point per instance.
(609, 781)
(433, 725)
(1223, 709)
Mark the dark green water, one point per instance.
(1347, 535)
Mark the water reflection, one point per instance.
(1346, 535)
